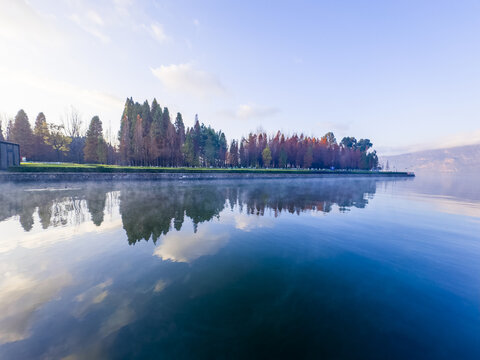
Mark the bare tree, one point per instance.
(4, 124)
(72, 123)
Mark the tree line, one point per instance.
(148, 137)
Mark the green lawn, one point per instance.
(71, 167)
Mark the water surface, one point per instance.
(313, 268)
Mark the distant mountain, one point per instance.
(449, 160)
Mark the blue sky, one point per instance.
(405, 74)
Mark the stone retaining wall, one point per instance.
(45, 177)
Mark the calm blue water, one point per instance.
(315, 268)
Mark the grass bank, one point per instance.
(94, 168)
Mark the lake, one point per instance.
(301, 268)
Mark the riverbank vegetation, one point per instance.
(100, 168)
(148, 137)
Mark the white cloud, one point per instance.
(196, 22)
(122, 6)
(253, 111)
(21, 81)
(186, 79)
(159, 33)
(94, 17)
(250, 111)
(22, 23)
(89, 23)
(327, 126)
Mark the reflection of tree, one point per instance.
(150, 210)
(96, 204)
(55, 207)
(149, 213)
(26, 217)
(298, 196)
(45, 213)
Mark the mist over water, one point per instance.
(303, 268)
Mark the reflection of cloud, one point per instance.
(51, 236)
(122, 316)
(185, 78)
(187, 247)
(94, 295)
(160, 286)
(249, 222)
(20, 297)
(451, 205)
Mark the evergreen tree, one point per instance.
(41, 134)
(209, 147)
(21, 133)
(189, 149)
(179, 139)
(95, 150)
(222, 149)
(233, 154)
(8, 135)
(242, 154)
(283, 158)
(167, 138)
(138, 142)
(146, 125)
(197, 140)
(124, 139)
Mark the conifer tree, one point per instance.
(8, 135)
(189, 149)
(124, 139)
(40, 131)
(21, 133)
(242, 154)
(95, 150)
(197, 140)
(179, 139)
(233, 154)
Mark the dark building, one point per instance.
(9, 154)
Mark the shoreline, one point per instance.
(20, 177)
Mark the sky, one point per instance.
(405, 74)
